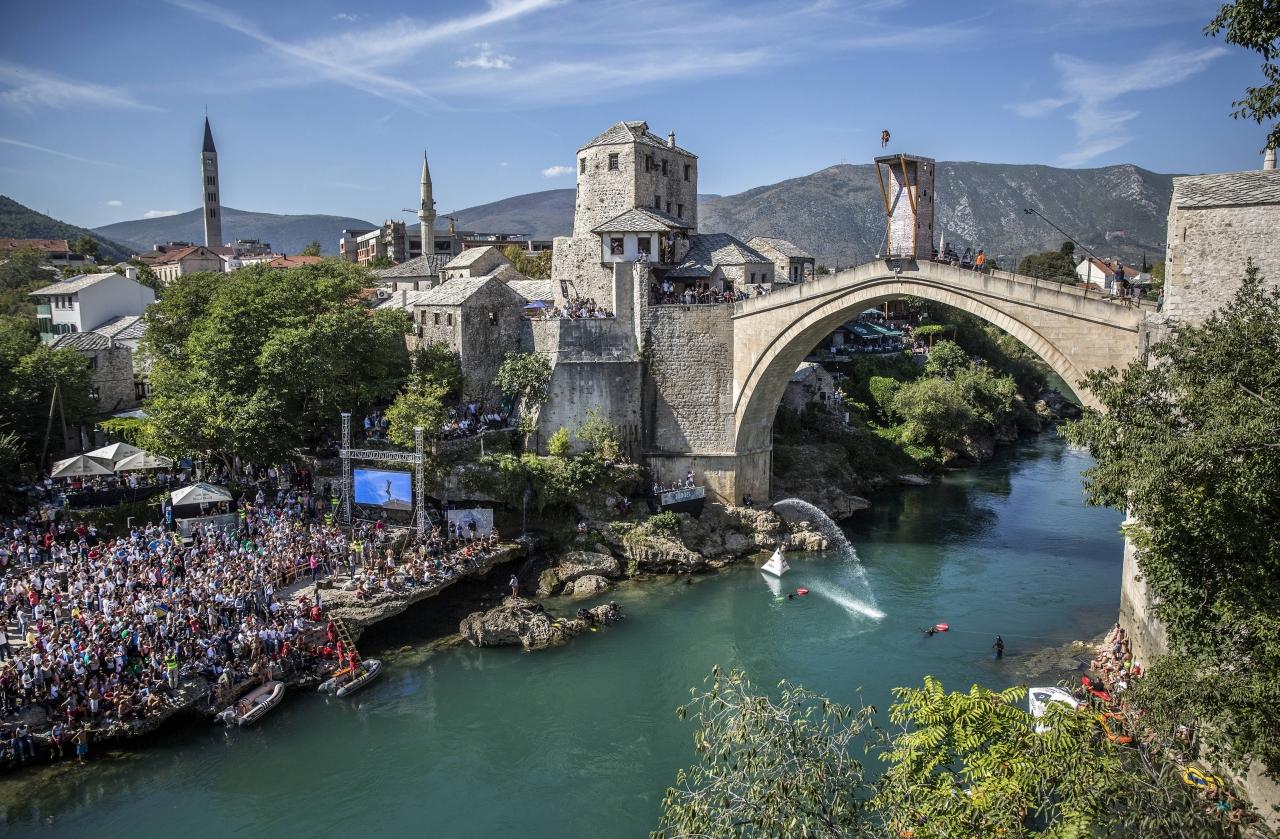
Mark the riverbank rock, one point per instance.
(650, 550)
(914, 480)
(587, 586)
(1056, 406)
(727, 532)
(575, 565)
(518, 620)
(804, 539)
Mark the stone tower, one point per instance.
(209, 175)
(906, 186)
(427, 211)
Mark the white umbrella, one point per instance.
(114, 452)
(199, 493)
(80, 466)
(142, 460)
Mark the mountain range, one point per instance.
(836, 214)
(287, 233)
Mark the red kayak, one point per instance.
(802, 591)
(942, 627)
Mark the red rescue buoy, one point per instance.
(942, 627)
(802, 591)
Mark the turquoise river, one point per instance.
(582, 741)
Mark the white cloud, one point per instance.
(28, 88)
(347, 16)
(115, 202)
(486, 59)
(1092, 89)
(9, 141)
(504, 164)
(557, 171)
(159, 213)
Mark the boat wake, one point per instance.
(793, 509)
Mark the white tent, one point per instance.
(199, 493)
(114, 452)
(142, 460)
(80, 466)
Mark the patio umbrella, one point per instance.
(199, 493)
(114, 452)
(142, 460)
(80, 466)
(539, 304)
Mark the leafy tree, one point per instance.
(1068, 249)
(145, 275)
(23, 270)
(18, 336)
(934, 413)
(1157, 275)
(438, 365)
(546, 482)
(312, 249)
(381, 261)
(1058, 266)
(883, 389)
(1188, 444)
(821, 271)
(946, 359)
(259, 362)
(26, 391)
(559, 444)
(526, 377)
(1255, 25)
(973, 764)
(85, 246)
(419, 405)
(769, 767)
(533, 264)
(601, 435)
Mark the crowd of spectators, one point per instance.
(666, 293)
(473, 418)
(577, 308)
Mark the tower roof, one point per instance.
(208, 138)
(632, 131)
(426, 170)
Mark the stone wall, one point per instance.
(1207, 251)
(689, 386)
(113, 378)
(493, 325)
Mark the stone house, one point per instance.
(113, 384)
(791, 263)
(480, 318)
(474, 262)
(718, 261)
(418, 274)
(810, 386)
(189, 260)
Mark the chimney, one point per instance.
(131, 272)
(404, 298)
(1269, 159)
(671, 140)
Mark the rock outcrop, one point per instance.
(575, 565)
(518, 620)
(653, 551)
(587, 586)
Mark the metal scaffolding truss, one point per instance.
(414, 458)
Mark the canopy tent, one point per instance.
(539, 304)
(142, 460)
(114, 452)
(82, 465)
(199, 493)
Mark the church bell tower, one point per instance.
(210, 189)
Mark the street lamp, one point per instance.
(1033, 212)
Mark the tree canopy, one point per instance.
(434, 384)
(1255, 25)
(533, 264)
(1189, 445)
(259, 362)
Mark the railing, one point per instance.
(679, 496)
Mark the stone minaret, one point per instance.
(427, 211)
(209, 179)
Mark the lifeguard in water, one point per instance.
(884, 139)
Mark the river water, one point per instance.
(582, 741)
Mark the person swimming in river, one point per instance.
(998, 646)
(930, 631)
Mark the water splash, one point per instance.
(861, 601)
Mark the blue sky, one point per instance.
(326, 107)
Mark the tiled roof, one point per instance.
(53, 245)
(1257, 186)
(642, 220)
(123, 328)
(707, 250)
(532, 290)
(452, 292)
(294, 261)
(633, 131)
(179, 254)
(82, 341)
(469, 256)
(420, 266)
(804, 371)
(782, 246)
(74, 284)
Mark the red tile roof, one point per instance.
(294, 261)
(49, 245)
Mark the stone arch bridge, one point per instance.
(1074, 332)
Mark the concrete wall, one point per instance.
(110, 298)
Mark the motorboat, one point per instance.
(345, 683)
(254, 705)
(776, 564)
(1038, 700)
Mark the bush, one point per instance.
(666, 522)
(883, 389)
(559, 445)
(946, 359)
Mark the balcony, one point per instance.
(43, 310)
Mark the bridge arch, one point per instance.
(1071, 332)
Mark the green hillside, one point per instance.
(23, 222)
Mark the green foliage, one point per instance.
(26, 391)
(1188, 444)
(420, 405)
(439, 366)
(313, 248)
(1058, 266)
(665, 522)
(524, 376)
(535, 265)
(258, 363)
(13, 456)
(559, 445)
(1157, 275)
(547, 482)
(946, 358)
(1255, 25)
(882, 390)
(1068, 249)
(924, 330)
(934, 413)
(131, 430)
(22, 270)
(600, 435)
(145, 275)
(768, 768)
(381, 261)
(821, 271)
(972, 764)
(84, 246)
